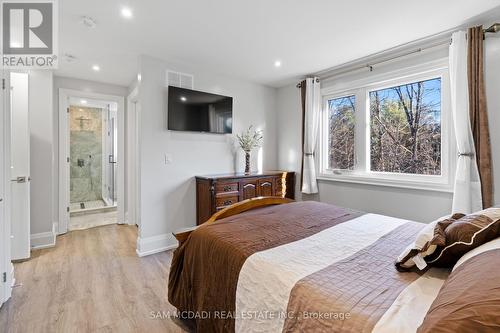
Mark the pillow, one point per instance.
(464, 235)
(427, 241)
(469, 300)
(491, 245)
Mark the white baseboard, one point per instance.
(56, 228)
(151, 245)
(44, 240)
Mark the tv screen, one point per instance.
(197, 111)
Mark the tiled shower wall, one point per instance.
(85, 154)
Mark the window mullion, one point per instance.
(361, 135)
(324, 136)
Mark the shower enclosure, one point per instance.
(92, 157)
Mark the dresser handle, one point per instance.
(227, 188)
(228, 202)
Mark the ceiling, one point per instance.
(244, 38)
(92, 103)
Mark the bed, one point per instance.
(271, 265)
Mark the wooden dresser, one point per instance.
(215, 192)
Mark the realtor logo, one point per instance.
(29, 32)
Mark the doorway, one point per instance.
(91, 160)
(92, 163)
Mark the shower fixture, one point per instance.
(82, 120)
(89, 22)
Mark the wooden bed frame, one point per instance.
(234, 209)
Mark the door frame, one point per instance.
(133, 157)
(64, 175)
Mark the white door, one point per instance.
(4, 232)
(20, 167)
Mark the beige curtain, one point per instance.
(478, 112)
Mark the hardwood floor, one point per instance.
(92, 281)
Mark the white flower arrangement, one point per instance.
(250, 139)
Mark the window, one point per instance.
(395, 131)
(405, 128)
(341, 132)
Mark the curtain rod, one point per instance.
(492, 29)
(370, 65)
(300, 83)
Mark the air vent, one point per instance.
(181, 80)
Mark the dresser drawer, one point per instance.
(225, 201)
(226, 188)
(266, 187)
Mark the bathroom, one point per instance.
(92, 163)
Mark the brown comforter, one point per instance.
(205, 269)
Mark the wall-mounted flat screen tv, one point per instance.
(197, 111)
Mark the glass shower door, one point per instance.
(111, 150)
(112, 161)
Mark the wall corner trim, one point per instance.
(155, 244)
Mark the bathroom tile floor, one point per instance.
(91, 220)
(76, 206)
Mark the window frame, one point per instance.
(325, 124)
(362, 173)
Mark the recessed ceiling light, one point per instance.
(277, 63)
(96, 68)
(183, 98)
(83, 101)
(126, 12)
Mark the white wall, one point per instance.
(417, 205)
(41, 155)
(168, 191)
